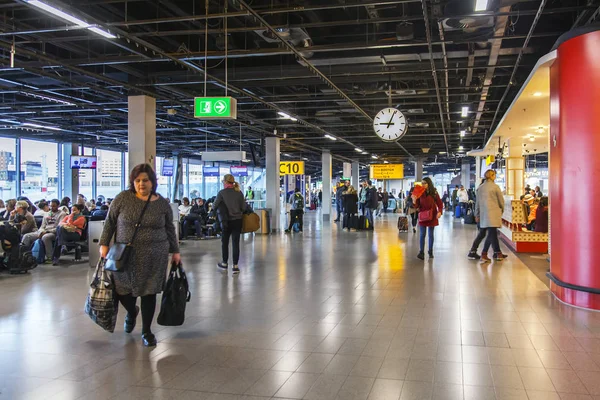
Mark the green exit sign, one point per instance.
(215, 108)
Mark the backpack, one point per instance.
(298, 201)
(39, 251)
(374, 199)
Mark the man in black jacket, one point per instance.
(371, 202)
(339, 201)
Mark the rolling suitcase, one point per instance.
(403, 223)
(353, 223)
(457, 212)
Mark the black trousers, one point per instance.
(63, 236)
(233, 232)
(491, 239)
(297, 216)
(148, 306)
(414, 219)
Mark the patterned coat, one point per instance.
(156, 238)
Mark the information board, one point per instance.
(291, 168)
(215, 108)
(168, 165)
(241, 170)
(210, 171)
(83, 162)
(387, 171)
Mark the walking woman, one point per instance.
(430, 210)
(488, 213)
(411, 210)
(230, 206)
(145, 275)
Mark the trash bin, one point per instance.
(265, 220)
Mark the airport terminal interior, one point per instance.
(356, 131)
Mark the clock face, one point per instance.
(390, 124)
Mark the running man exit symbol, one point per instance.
(215, 108)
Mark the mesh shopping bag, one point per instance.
(101, 305)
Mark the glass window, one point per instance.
(8, 183)
(195, 176)
(164, 182)
(108, 181)
(211, 183)
(39, 170)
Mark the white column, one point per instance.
(419, 170)
(465, 174)
(272, 180)
(142, 131)
(71, 176)
(477, 171)
(515, 169)
(355, 174)
(326, 169)
(347, 170)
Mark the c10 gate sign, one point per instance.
(215, 108)
(291, 168)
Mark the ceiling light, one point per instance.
(531, 138)
(330, 137)
(537, 94)
(386, 162)
(61, 14)
(461, 148)
(52, 128)
(383, 60)
(442, 152)
(481, 5)
(286, 116)
(103, 33)
(305, 159)
(462, 133)
(365, 152)
(374, 157)
(358, 150)
(464, 112)
(540, 129)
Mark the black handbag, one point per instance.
(120, 254)
(174, 298)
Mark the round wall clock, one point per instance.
(390, 124)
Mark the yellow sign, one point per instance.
(291, 168)
(490, 160)
(387, 171)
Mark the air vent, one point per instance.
(415, 111)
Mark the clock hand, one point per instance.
(391, 119)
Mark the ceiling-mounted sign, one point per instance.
(215, 108)
(387, 171)
(291, 168)
(210, 171)
(241, 170)
(490, 160)
(168, 165)
(390, 124)
(213, 156)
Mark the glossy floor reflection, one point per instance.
(321, 315)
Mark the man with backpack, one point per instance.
(296, 202)
(371, 201)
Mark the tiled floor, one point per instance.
(323, 315)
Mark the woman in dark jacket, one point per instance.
(541, 216)
(430, 210)
(230, 206)
(350, 204)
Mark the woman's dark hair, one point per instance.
(142, 169)
(430, 188)
(78, 206)
(65, 201)
(544, 201)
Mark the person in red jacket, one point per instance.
(430, 210)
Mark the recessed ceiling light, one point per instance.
(481, 5)
(462, 133)
(442, 152)
(531, 138)
(464, 112)
(358, 150)
(537, 94)
(330, 137)
(461, 148)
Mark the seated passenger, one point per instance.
(101, 213)
(70, 229)
(197, 216)
(23, 218)
(47, 231)
(532, 214)
(184, 208)
(66, 202)
(10, 206)
(31, 208)
(42, 209)
(541, 217)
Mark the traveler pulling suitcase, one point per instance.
(403, 223)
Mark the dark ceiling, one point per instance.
(329, 63)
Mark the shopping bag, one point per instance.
(101, 305)
(39, 251)
(174, 298)
(250, 223)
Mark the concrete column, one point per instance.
(355, 174)
(419, 170)
(515, 169)
(71, 176)
(272, 180)
(18, 190)
(142, 131)
(478, 171)
(465, 174)
(326, 169)
(347, 170)
(94, 179)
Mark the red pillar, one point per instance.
(575, 171)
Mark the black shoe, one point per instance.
(421, 256)
(288, 231)
(473, 255)
(222, 266)
(336, 220)
(414, 230)
(148, 339)
(130, 321)
(499, 256)
(431, 254)
(235, 270)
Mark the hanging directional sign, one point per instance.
(215, 108)
(291, 168)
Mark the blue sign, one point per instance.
(242, 170)
(168, 165)
(210, 171)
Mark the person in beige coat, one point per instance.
(488, 215)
